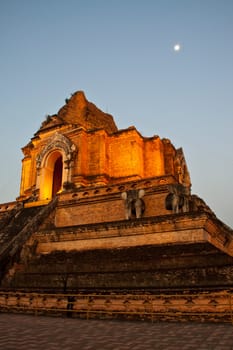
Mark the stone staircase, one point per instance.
(15, 230)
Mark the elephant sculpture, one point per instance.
(178, 198)
(134, 205)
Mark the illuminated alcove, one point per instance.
(51, 175)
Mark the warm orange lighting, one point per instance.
(49, 175)
(99, 158)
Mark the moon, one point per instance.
(177, 47)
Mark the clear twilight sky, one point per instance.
(121, 54)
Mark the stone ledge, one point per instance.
(179, 229)
(37, 203)
(141, 239)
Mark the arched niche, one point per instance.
(54, 165)
(57, 176)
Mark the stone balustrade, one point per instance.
(204, 306)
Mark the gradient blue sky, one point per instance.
(120, 53)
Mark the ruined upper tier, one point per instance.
(81, 146)
(78, 111)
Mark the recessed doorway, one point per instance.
(57, 176)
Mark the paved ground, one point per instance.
(21, 332)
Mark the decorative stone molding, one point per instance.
(181, 168)
(59, 142)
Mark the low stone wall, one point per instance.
(5, 207)
(163, 230)
(204, 306)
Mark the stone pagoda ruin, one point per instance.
(103, 210)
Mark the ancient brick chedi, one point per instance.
(101, 208)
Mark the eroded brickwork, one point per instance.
(94, 152)
(124, 218)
